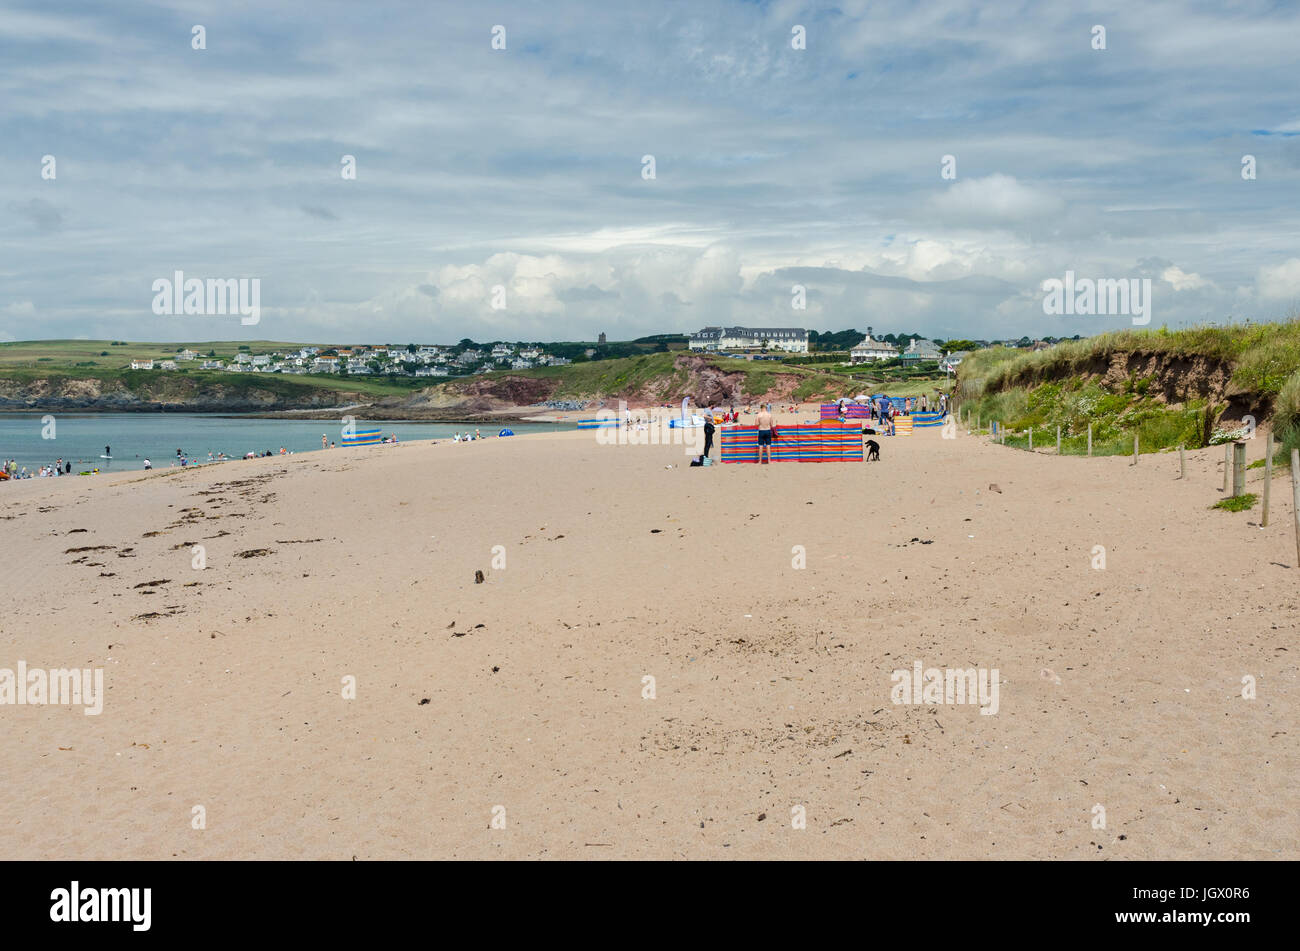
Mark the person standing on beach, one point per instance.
(765, 433)
(708, 434)
(324, 443)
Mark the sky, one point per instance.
(505, 193)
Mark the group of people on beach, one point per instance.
(14, 471)
(882, 413)
(466, 437)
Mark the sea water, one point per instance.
(134, 437)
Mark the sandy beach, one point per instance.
(224, 686)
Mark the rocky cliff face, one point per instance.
(1173, 378)
(693, 375)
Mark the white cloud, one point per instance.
(1181, 280)
(1279, 281)
(993, 200)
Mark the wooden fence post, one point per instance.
(1135, 449)
(1182, 463)
(1238, 468)
(1295, 505)
(1058, 440)
(1227, 465)
(1090, 439)
(1031, 438)
(1268, 477)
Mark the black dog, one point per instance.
(873, 451)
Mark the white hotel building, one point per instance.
(789, 339)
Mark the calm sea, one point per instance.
(135, 437)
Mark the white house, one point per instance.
(212, 365)
(950, 363)
(869, 351)
(141, 364)
(789, 339)
(243, 358)
(187, 355)
(262, 360)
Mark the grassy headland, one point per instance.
(1189, 387)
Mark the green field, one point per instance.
(108, 354)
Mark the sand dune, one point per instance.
(1119, 687)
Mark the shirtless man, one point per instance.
(765, 433)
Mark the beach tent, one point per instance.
(506, 432)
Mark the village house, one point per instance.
(141, 364)
(187, 355)
(869, 350)
(212, 365)
(950, 363)
(921, 351)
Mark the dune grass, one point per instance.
(1045, 388)
(1236, 503)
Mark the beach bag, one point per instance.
(706, 461)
